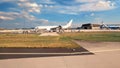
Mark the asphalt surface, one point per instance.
(106, 56)
(14, 53)
(99, 60)
(94, 46)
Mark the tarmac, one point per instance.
(49, 34)
(105, 56)
(99, 60)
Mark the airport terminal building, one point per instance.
(91, 26)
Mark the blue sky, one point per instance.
(31, 13)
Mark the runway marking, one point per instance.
(105, 50)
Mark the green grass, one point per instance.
(34, 40)
(62, 41)
(95, 36)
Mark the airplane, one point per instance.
(50, 28)
(110, 26)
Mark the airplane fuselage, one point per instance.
(53, 27)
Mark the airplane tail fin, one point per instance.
(104, 24)
(69, 24)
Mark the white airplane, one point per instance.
(110, 26)
(49, 28)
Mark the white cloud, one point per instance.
(6, 18)
(107, 4)
(81, 1)
(44, 21)
(23, 0)
(63, 9)
(8, 15)
(90, 6)
(27, 16)
(67, 12)
(14, 15)
(82, 6)
(29, 6)
(97, 6)
(47, 1)
(23, 15)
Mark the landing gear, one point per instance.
(59, 29)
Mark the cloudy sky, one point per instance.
(31, 13)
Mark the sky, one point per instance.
(31, 13)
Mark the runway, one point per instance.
(99, 60)
(94, 46)
(106, 56)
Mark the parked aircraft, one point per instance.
(110, 26)
(49, 28)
